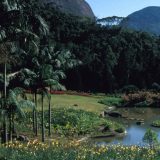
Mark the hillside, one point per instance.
(75, 7)
(147, 19)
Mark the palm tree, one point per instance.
(52, 70)
(27, 79)
(51, 81)
(5, 49)
(16, 103)
(25, 26)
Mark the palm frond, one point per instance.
(9, 5)
(43, 27)
(60, 74)
(2, 35)
(19, 104)
(2, 114)
(46, 71)
(26, 104)
(58, 86)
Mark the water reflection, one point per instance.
(135, 132)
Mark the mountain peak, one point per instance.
(75, 7)
(146, 19)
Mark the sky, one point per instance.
(122, 8)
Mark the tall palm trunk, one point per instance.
(5, 137)
(49, 114)
(43, 131)
(33, 118)
(13, 125)
(36, 116)
(10, 124)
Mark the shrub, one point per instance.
(142, 98)
(156, 123)
(120, 130)
(71, 122)
(111, 101)
(156, 87)
(129, 89)
(151, 137)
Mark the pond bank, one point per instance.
(136, 122)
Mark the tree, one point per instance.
(5, 49)
(151, 138)
(16, 102)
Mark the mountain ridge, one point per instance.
(76, 7)
(146, 19)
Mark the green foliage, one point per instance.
(142, 99)
(129, 89)
(72, 121)
(75, 151)
(150, 138)
(156, 123)
(156, 87)
(110, 57)
(112, 101)
(17, 102)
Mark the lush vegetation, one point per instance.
(74, 150)
(111, 58)
(112, 101)
(71, 122)
(156, 123)
(39, 47)
(142, 99)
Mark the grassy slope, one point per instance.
(88, 103)
(80, 112)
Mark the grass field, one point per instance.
(71, 115)
(88, 103)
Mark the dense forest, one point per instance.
(111, 57)
(108, 58)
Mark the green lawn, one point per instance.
(75, 114)
(88, 103)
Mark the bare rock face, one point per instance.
(75, 7)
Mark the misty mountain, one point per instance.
(147, 19)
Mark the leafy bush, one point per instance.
(111, 101)
(129, 89)
(142, 99)
(70, 122)
(120, 130)
(151, 137)
(156, 87)
(156, 123)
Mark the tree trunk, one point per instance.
(10, 125)
(36, 116)
(33, 117)
(5, 82)
(43, 134)
(5, 136)
(13, 125)
(49, 115)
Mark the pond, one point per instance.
(135, 132)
